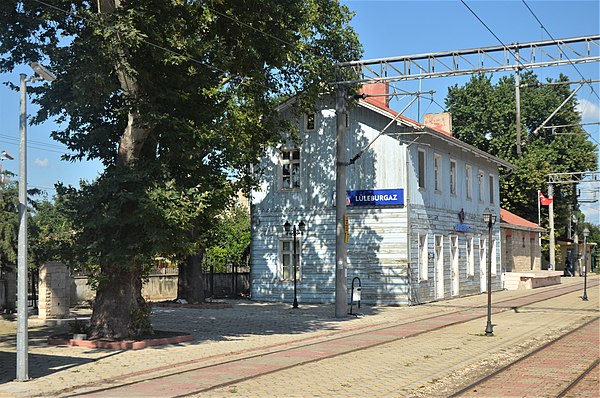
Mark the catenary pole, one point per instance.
(551, 225)
(518, 110)
(341, 247)
(22, 335)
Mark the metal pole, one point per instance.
(551, 226)
(518, 109)
(341, 248)
(489, 329)
(22, 338)
(295, 305)
(585, 296)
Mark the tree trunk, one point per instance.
(119, 310)
(190, 283)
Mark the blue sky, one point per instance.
(385, 28)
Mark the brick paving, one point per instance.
(550, 371)
(302, 352)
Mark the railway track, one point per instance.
(567, 366)
(270, 359)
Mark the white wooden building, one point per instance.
(430, 243)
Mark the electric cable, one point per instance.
(555, 42)
(493, 34)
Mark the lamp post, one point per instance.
(586, 233)
(490, 219)
(41, 73)
(294, 232)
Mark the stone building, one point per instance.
(521, 243)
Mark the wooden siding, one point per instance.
(376, 254)
(383, 241)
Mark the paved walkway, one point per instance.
(562, 362)
(393, 359)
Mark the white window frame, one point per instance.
(307, 117)
(469, 181)
(481, 179)
(470, 257)
(421, 169)
(437, 171)
(453, 170)
(289, 252)
(423, 257)
(292, 164)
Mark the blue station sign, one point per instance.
(376, 197)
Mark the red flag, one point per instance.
(544, 200)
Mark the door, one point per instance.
(439, 267)
(454, 262)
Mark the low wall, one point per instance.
(531, 280)
(161, 287)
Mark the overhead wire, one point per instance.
(554, 40)
(493, 34)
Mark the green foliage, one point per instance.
(9, 227)
(484, 116)
(51, 232)
(176, 99)
(229, 240)
(9, 224)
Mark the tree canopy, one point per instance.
(176, 99)
(484, 116)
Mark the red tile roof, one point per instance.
(512, 219)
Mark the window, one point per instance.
(469, 180)
(286, 264)
(452, 177)
(423, 258)
(421, 171)
(470, 258)
(290, 168)
(437, 170)
(480, 181)
(310, 121)
(491, 179)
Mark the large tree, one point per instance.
(175, 98)
(484, 115)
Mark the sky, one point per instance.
(386, 29)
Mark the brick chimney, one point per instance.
(377, 89)
(439, 121)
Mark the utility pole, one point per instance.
(22, 331)
(341, 246)
(551, 226)
(518, 108)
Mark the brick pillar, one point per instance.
(53, 293)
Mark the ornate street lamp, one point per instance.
(490, 219)
(301, 226)
(586, 233)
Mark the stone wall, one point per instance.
(164, 287)
(53, 291)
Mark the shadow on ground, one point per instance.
(249, 318)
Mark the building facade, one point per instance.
(414, 224)
(521, 243)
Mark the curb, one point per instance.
(121, 345)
